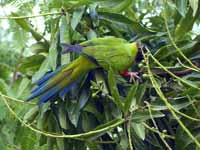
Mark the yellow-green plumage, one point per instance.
(108, 52)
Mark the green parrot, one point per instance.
(107, 52)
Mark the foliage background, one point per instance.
(31, 47)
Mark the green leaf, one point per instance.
(194, 4)
(114, 90)
(44, 114)
(114, 121)
(123, 143)
(91, 145)
(65, 32)
(73, 110)
(170, 8)
(3, 111)
(141, 116)
(60, 143)
(31, 64)
(91, 34)
(39, 47)
(24, 24)
(183, 141)
(178, 104)
(118, 18)
(31, 114)
(140, 92)
(55, 38)
(3, 86)
(5, 71)
(169, 51)
(182, 6)
(2, 144)
(54, 3)
(77, 37)
(130, 100)
(77, 15)
(90, 107)
(22, 87)
(105, 127)
(43, 69)
(139, 130)
(25, 137)
(88, 121)
(52, 57)
(62, 117)
(184, 25)
(116, 6)
(42, 140)
(84, 97)
(50, 143)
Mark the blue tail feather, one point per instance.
(53, 91)
(66, 89)
(48, 76)
(49, 94)
(36, 93)
(68, 48)
(38, 87)
(43, 84)
(44, 78)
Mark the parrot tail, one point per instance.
(61, 80)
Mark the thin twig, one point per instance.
(17, 100)
(129, 134)
(170, 73)
(193, 106)
(169, 106)
(32, 16)
(55, 135)
(154, 123)
(173, 42)
(158, 132)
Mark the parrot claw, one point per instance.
(133, 76)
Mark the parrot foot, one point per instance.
(133, 76)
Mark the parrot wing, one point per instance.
(78, 48)
(117, 57)
(108, 40)
(96, 49)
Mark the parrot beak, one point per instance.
(141, 48)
